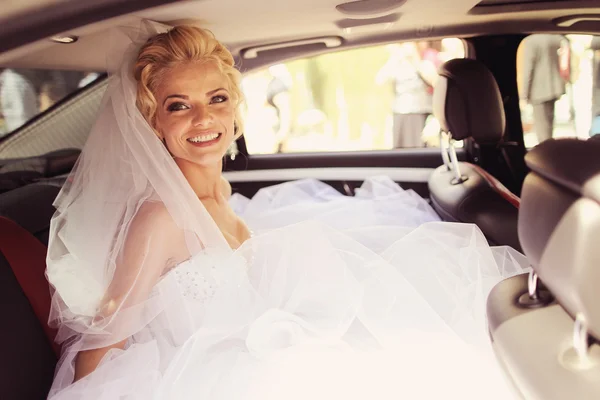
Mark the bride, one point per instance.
(162, 291)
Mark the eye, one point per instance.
(218, 99)
(177, 106)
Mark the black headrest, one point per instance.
(467, 102)
(562, 171)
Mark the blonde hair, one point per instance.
(182, 44)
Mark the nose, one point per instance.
(202, 116)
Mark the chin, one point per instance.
(208, 160)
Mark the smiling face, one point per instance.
(195, 113)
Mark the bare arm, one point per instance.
(428, 72)
(152, 240)
(87, 361)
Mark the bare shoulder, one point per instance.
(225, 187)
(152, 213)
(153, 221)
(154, 232)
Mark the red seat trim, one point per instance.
(498, 187)
(26, 256)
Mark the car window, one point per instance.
(362, 99)
(25, 93)
(559, 89)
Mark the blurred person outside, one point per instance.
(18, 100)
(430, 53)
(412, 69)
(25, 92)
(57, 85)
(449, 49)
(595, 48)
(278, 97)
(542, 81)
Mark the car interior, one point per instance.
(543, 201)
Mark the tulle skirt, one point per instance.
(369, 297)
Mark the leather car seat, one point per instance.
(545, 325)
(468, 104)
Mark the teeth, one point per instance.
(204, 138)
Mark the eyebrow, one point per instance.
(215, 91)
(175, 96)
(184, 97)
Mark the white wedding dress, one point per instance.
(334, 297)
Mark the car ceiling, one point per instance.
(245, 24)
